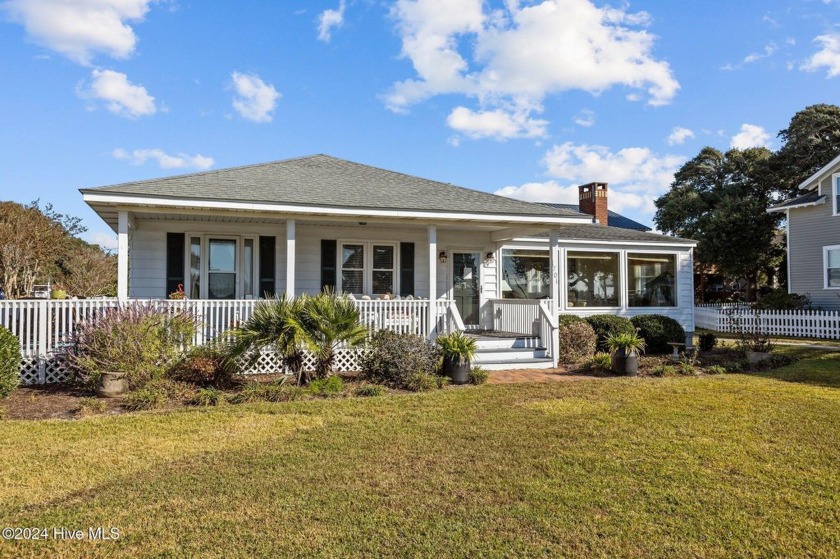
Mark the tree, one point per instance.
(720, 199)
(811, 140)
(85, 270)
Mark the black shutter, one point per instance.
(175, 249)
(406, 269)
(328, 259)
(267, 266)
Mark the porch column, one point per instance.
(122, 255)
(554, 264)
(433, 254)
(290, 257)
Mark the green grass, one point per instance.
(724, 466)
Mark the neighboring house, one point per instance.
(813, 237)
(301, 225)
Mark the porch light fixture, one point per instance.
(489, 259)
(442, 257)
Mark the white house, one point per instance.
(301, 225)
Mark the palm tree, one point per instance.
(274, 322)
(327, 321)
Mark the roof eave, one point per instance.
(819, 175)
(803, 205)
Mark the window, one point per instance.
(368, 268)
(221, 269)
(248, 268)
(525, 274)
(835, 181)
(593, 279)
(831, 261)
(651, 280)
(195, 268)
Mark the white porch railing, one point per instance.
(530, 317)
(45, 327)
(797, 324)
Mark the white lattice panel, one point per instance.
(29, 370)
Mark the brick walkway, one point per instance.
(534, 375)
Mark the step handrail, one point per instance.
(549, 323)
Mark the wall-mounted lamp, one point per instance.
(489, 259)
(442, 257)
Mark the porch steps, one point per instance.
(499, 353)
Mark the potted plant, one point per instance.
(458, 350)
(111, 384)
(625, 349)
(58, 292)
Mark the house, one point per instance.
(302, 225)
(813, 237)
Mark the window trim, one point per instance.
(676, 256)
(367, 265)
(622, 273)
(204, 269)
(499, 254)
(825, 268)
(835, 192)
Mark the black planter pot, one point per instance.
(458, 372)
(623, 363)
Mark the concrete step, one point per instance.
(504, 365)
(507, 343)
(508, 353)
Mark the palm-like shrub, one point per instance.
(327, 322)
(274, 323)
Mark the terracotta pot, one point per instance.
(112, 384)
(459, 373)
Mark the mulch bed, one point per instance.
(52, 401)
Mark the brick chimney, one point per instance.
(592, 200)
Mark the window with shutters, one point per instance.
(367, 268)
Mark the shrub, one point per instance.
(478, 375)
(207, 397)
(421, 382)
(664, 371)
(687, 369)
(658, 330)
(137, 340)
(606, 325)
(329, 386)
(708, 341)
(148, 398)
(9, 362)
(781, 300)
(267, 392)
(91, 406)
(715, 370)
(566, 319)
(737, 366)
(392, 358)
(577, 341)
(206, 365)
(369, 390)
(599, 362)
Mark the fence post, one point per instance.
(43, 325)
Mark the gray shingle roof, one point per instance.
(614, 219)
(807, 199)
(321, 180)
(595, 232)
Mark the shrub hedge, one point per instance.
(394, 359)
(606, 325)
(9, 362)
(658, 331)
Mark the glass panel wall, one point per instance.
(651, 280)
(593, 279)
(525, 274)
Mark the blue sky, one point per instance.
(523, 98)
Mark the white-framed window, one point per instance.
(651, 279)
(835, 192)
(367, 268)
(831, 265)
(594, 278)
(221, 266)
(525, 273)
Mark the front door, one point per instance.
(466, 286)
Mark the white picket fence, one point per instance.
(797, 324)
(45, 327)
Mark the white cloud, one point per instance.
(517, 55)
(255, 100)
(585, 118)
(79, 29)
(679, 135)
(827, 57)
(330, 19)
(119, 95)
(750, 136)
(636, 176)
(769, 50)
(108, 241)
(498, 124)
(164, 160)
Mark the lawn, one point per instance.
(724, 466)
